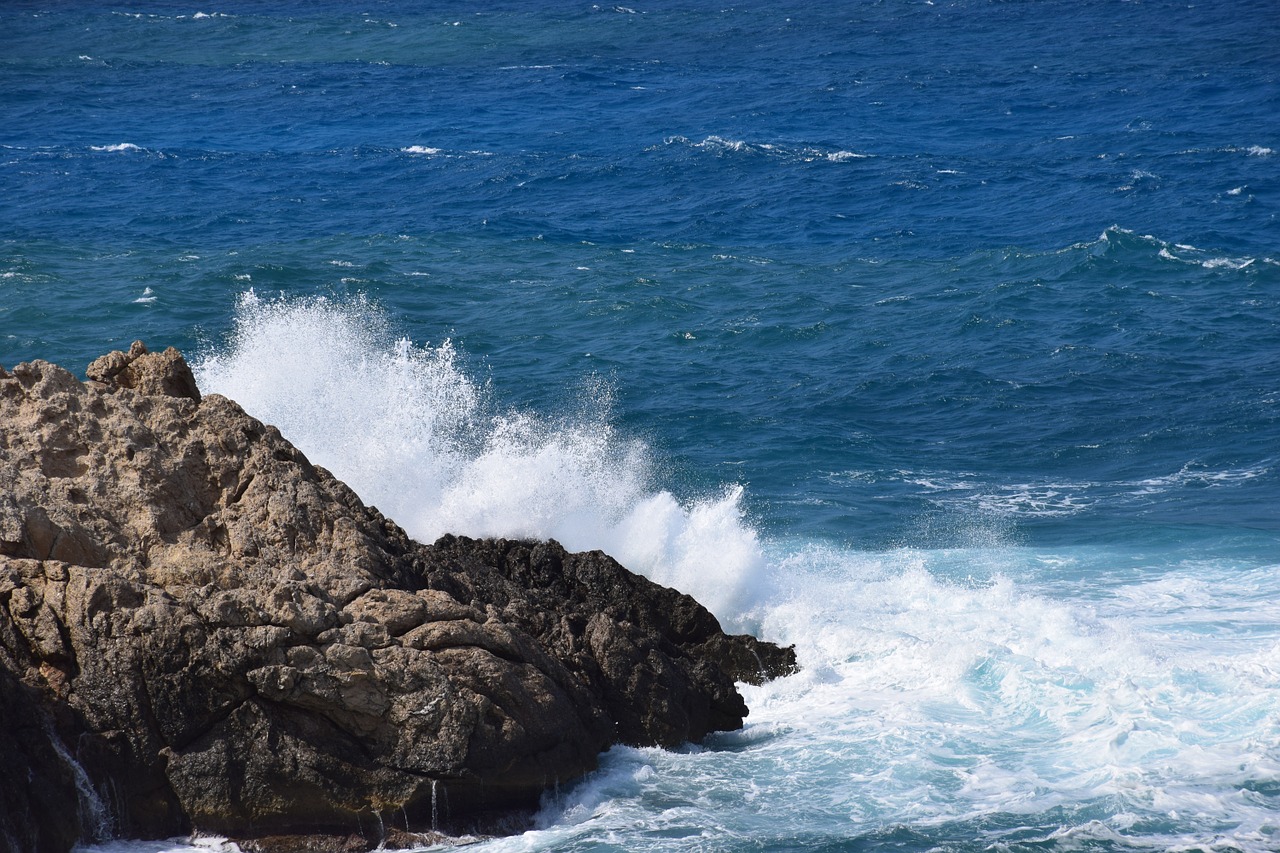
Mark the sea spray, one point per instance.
(413, 434)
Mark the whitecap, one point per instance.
(120, 147)
(719, 143)
(421, 149)
(1195, 475)
(1227, 263)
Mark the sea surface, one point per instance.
(940, 339)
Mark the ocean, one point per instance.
(940, 339)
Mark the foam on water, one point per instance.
(412, 433)
(194, 844)
(806, 154)
(996, 712)
(118, 148)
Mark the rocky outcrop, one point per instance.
(200, 630)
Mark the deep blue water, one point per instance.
(941, 339)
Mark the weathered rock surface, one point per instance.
(206, 632)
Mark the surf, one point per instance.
(976, 694)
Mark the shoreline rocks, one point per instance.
(204, 631)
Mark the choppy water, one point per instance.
(939, 339)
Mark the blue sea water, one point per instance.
(940, 339)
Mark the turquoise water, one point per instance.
(939, 339)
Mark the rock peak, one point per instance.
(166, 373)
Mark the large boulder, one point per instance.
(201, 630)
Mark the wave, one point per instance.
(977, 496)
(806, 154)
(197, 16)
(428, 151)
(1120, 239)
(411, 432)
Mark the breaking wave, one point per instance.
(407, 428)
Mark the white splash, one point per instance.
(968, 691)
(406, 428)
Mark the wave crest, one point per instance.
(409, 431)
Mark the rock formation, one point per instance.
(200, 630)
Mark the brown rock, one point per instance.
(165, 374)
(234, 643)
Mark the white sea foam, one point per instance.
(940, 693)
(194, 844)
(120, 147)
(1036, 500)
(721, 145)
(421, 149)
(1185, 253)
(412, 433)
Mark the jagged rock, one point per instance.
(166, 373)
(234, 643)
